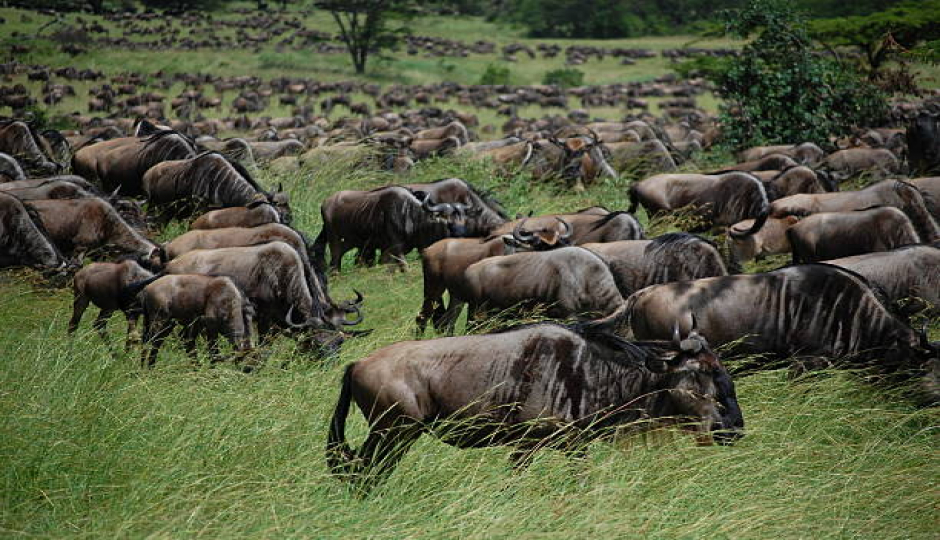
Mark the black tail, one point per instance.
(128, 296)
(634, 199)
(339, 454)
(318, 251)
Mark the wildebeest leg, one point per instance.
(101, 323)
(79, 305)
(155, 332)
(430, 309)
(803, 365)
(338, 248)
(395, 253)
(190, 333)
(448, 320)
(132, 335)
(384, 448)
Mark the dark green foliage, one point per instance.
(565, 77)
(364, 25)
(184, 5)
(779, 90)
(495, 74)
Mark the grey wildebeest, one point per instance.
(10, 169)
(590, 225)
(80, 225)
(24, 240)
(671, 257)
(829, 235)
(204, 305)
(101, 284)
(122, 162)
(570, 281)
(208, 179)
(908, 276)
(273, 277)
(722, 199)
(806, 153)
(390, 219)
(20, 140)
(532, 387)
(844, 164)
(251, 215)
(814, 312)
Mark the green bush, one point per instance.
(565, 78)
(495, 74)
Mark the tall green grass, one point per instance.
(93, 446)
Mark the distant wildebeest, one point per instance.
(532, 387)
(806, 153)
(844, 164)
(814, 312)
(10, 169)
(203, 305)
(570, 281)
(251, 215)
(24, 240)
(122, 162)
(723, 199)
(671, 257)
(20, 140)
(273, 277)
(101, 284)
(80, 225)
(830, 235)
(908, 276)
(208, 179)
(390, 219)
(771, 162)
(795, 180)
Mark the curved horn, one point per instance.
(429, 205)
(349, 305)
(518, 234)
(676, 337)
(357, 320)
(568, 230)
(288, 318)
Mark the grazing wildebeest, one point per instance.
(589, 225)
(671, 257)
(930, 190)
(771, 162)
(923, 143)
(570, 281)
(806, 153)
(771, 239)
(723, 199)
(19, 140)
(208, 179)
(487, 212)
(79, 225)
(273, 277)
(122, 162)
(251, 215)
(390, 219)
(10, 169)
(24, 240)
(847, 163)
(46, 189)
(204, 305)
(829, 235)
(908, 276)
(101, 284)
(532, 387)
(814, 312)
(795, 180)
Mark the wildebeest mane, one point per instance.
(218, 180)
(244, 172)
(632, 353)
(160, 147)
(876, 290)
(671, 257)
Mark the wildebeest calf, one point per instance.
(101, 284)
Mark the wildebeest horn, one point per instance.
(567, 234)
(676, 337)
(351, 304)
(357, 320)
(429, 205)
(280, 186)
(291, 323)
(115, 192)
(518, 234)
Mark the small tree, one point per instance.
(363, 25)
(565, 77)
(779, 90)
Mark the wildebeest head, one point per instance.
(281, 201)
(10, 170)
(542, 238)
(455, 215)
(921, 359)
(315, 335)
(697, 385)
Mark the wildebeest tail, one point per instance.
(128, 295)
(317, 252)
(339, 454)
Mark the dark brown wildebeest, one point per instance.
(723, 199)
(274, 279)
(208, 179)
(815, 312)
(101, 284)
(671, 257)
(923, 143)
(795, 180)
(251, 215)
(570, 281)
(204, 305)
(830, 235)
(10, 169)
(79, 225)
(122, 162)
(532, 387)
(908, 276)
(24, 240)
(19, 140)
(487, 212)
(390, 219)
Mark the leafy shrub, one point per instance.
(565, 78)
(495, 74)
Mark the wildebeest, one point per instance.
(122, 162)
(487, 212)
(806, 153)
(538, 386)
(46, 189)
(208, 179)
(80, 225)
(771, 239)
(273, 277)
(771, 162)
(391, 219)
(101, 284)
(929, 188)
(24, 240)
(814, 312)
(20, 140)
(204, 305)
(570, 281)
(908, 276)
(721, 199)
(251, 215)
(10, 169)
(588, 225)
(830, 235)
(844, 164)
(923, 144)
(671, 257)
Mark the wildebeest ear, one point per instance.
(421, 195)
